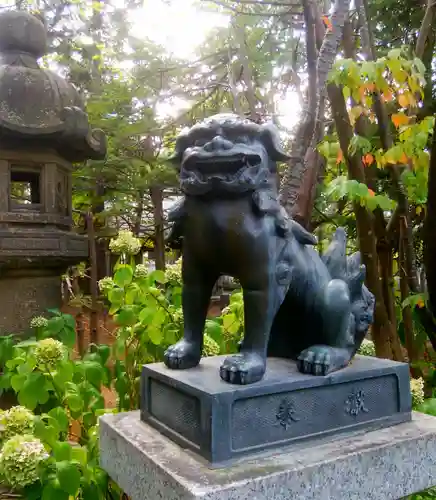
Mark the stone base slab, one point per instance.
(388, 463)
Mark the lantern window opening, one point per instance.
(25, 188)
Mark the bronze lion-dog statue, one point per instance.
(297, 304)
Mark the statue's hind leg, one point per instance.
(338, 349)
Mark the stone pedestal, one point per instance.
(388, 463)
(223, 422)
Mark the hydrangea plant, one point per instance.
(20, 459)
(49, 352)
(125, 243)
(16, 421)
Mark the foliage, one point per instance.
(147, 309)
(399, 81)
(61, 391)
(367, 348)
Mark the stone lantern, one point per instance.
(44, 130)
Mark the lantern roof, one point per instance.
(38, 108)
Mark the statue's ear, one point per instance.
(270, 138)
(182, 142)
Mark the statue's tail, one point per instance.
(351, 270)
(362, 300)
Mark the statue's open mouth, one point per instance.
(220, 164)
(232, 173)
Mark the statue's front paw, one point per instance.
(322, 360)
(244, 368)
(182, 355)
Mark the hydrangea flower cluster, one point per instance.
(125, 243)
(20, 458)
(141, 271)
(106, 284)
(417, 390)
(15, 421)
(49, 352)
(367, 348)
(210, 347)
(38, 322)
(174, 271)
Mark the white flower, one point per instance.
(173, 272)
(417, 390)
(210, 346)
(141, 271)
(16, 421)
(367, 348)
(106, 284)
(19, 460)
(125, 243)
(38, 322)
(49, 352)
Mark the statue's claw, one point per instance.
(244, 368)
(322, 360)
(183, 355)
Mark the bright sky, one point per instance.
(181, 27)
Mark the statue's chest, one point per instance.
(221, 222)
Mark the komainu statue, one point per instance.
(298, 305)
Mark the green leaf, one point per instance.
(55, 325)
(61, 417)
(123, 276)
(126, 317)
(155, 334)
(158, 318)
(131, 294)
(79, 454)
(395, 53)
(428, 407)
(157, 276)
(45, 433)
(214, 330)
(146, 315)
(62, 451)
(91, 492)
(63, 374)
(68, 336)
(70, 321)
(104, 352)
(53, 491)
(74, 402)
(93, 372)
(68, 476)
(116, 296)
(17, 382)
(33, 491)
(6, 349)
(34, 391)
(231, 323)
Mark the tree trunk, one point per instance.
(159, 221)
(385, 336)
(93, 324)
(430, 244)
(300, 178)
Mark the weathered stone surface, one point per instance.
(384, 464)
(23, 297)
(222, 422)
(43, 129)
(38, 107)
